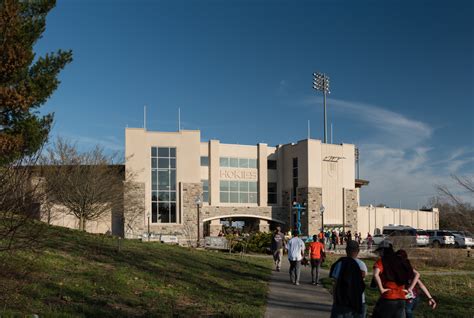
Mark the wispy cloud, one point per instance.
(398, 155)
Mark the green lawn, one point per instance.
(79, 274)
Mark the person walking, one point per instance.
(392, 275)
(349, 273)
(333, 240)
(278, 241)
(296, 249)
(414, 298)
(370, 241)
(327, 236)
(316, 253)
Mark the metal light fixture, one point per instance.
(321, 83)
(198, 202)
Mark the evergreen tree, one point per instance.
(26, 82)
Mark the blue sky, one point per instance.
(402, 78)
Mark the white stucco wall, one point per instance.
(370, 218)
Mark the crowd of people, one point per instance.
(398, 282)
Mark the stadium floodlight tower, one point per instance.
(321, 83)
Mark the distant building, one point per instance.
(255, 183)
(183, 186)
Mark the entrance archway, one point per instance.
(240, 223)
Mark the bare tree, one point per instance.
(88, 184)
(19, 205)
(455, 213)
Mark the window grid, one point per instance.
(238, 192)
(205, 190)
(232, 162)
(163, 198)
(272, 193)
(295, 178)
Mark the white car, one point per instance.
(422, 238)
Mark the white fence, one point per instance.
(370, 218)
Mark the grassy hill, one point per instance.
(77, 274)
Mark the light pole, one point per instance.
(148, 217)
(321, 209)
(198, 202)
(321, 83)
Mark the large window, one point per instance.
(230, 162)
(238, 192)
(295, 178)
(205, 190)
(163, 185)
(272, 193)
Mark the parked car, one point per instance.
(461, 239)
(378, 238)
(402, 235)
(440, 238)
(422, 238)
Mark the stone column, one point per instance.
(311, 220)
(215, 227)
(315, 200)
(350, 209)
(190, 211)
(263, 226)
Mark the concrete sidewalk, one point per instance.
(306, 300)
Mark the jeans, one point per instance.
(315, 266)
(410, 307)
(389, 308)
(364, 312)
(277, 255)
(295, 269)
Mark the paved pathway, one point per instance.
(287, 300)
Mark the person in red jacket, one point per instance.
(316, 253)
(395, 278)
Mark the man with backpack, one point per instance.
(349, 272)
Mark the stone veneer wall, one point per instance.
(311, 222)
(286, 205)
(187, 230)
(350, 209)
(190, 191)
(134, 210)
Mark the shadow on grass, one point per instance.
(144, 279)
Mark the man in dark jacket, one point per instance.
(349, 273)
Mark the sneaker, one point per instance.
(314, 283)
(278, 269)
(297, 284)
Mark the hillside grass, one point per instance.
(75, 274)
